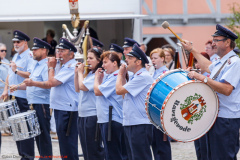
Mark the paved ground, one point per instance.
(180, 151)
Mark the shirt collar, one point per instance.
(69, 63)
(139, 72)
(42, 61)
(161, 69)
(224, 58)
(24, 53)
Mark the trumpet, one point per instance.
(59, 59)
(196, 70)
(85, 65)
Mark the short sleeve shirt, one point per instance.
(229, 106)
(133, 104)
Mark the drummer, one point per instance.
(135, 119)
(38, 94)
(161, 149)
(3, 76)
(16, 76)
(223, 137)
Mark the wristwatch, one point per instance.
(205, 80)
(16, 71)
(51, 68)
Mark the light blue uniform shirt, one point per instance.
(134, 112)
(23, 60)
(87, 99)
(64, 97)
(229, 106)
(5, 61)
(158, 72)
(3, 76)
(37, 95)
(214, 58)
(109, 98)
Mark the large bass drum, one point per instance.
(182, 108)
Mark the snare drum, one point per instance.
(182, 108)
(7, 109)
(24, 125)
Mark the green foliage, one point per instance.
(187, 102)
(234, 21)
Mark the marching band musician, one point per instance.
(64, 99)
(135, 120)
(223, 137)
(87, 121)
(128, 45)
(109, 104)
(161, 149)
(119, 50)
(16, 76)
(97, 43)
(3, 76)
(3, 53)
(38, 96)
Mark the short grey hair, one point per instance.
(145, 46)
(3, 45)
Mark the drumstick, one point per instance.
(4, 82)
(9, 64)
(165, 25)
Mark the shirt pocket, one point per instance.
(36, 77)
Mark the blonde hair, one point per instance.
(170, 51)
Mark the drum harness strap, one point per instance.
(215, 76)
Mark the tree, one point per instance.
(235, 21)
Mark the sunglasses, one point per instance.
(3, 50)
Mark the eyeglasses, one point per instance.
(17, 42)
(62, 50)
(3, 50)
(217, 40)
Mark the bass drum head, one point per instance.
(189, 111)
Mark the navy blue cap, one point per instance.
(138, 53)
(116, 48)
(128, 42)
(222, 31)
(65, 44)
(18, 36)
(97, 43)
(38, 43)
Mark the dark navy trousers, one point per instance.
(223, 139)
(114, 149)
(201, 148)
(43, 141)
(68, 143)
(25, 147)
(161, 149)
(92, 150)
(138, 139)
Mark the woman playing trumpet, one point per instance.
(87, 120)
(109, 104)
